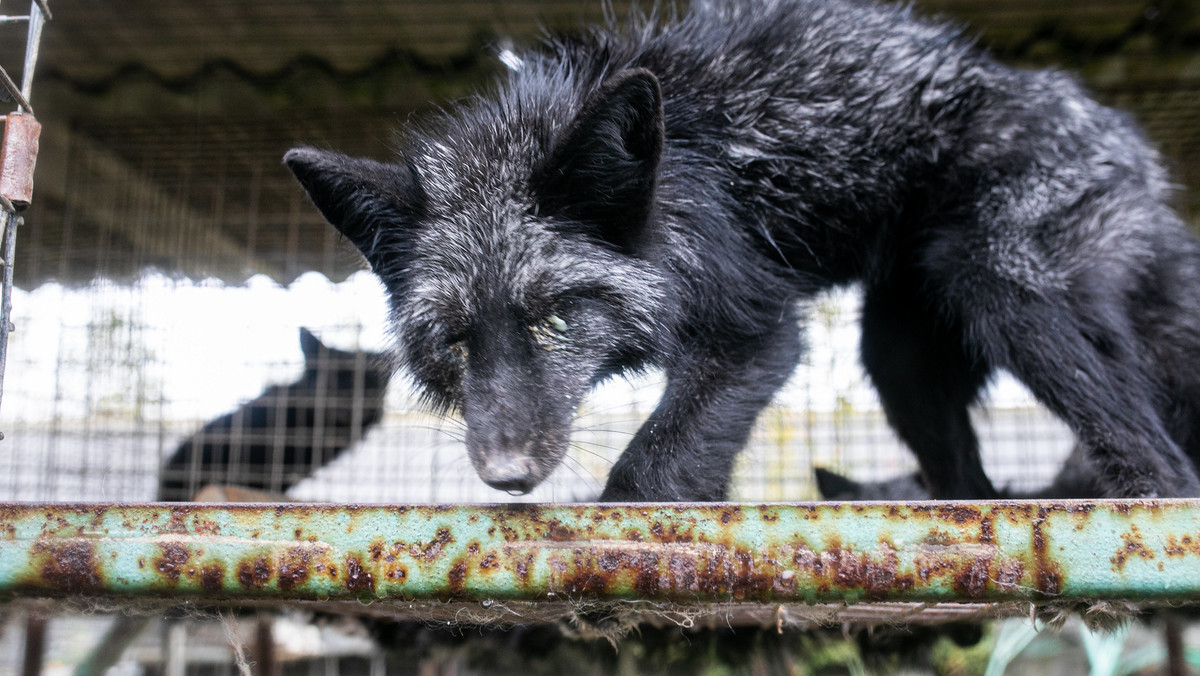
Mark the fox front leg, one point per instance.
(686, 450)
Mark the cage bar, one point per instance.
(776, 553)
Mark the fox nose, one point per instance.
(507, 472)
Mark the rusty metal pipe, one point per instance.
(824, 552)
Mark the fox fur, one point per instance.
(668, 193)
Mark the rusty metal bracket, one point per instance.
(18, 156)
(692, 554)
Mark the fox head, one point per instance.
(516, 241)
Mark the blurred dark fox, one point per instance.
(1076, 479)
(288, 431)
(666, 194)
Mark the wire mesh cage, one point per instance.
(128, 376)
(183, 318)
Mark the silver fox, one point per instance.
(667, 194)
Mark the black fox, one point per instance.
(666, 194)
(280, 437)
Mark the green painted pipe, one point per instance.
(777, 553)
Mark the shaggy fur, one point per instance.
(665, 195)
(288, 431)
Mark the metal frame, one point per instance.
(19, 163)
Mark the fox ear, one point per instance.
(832, 485)
(602, 172)
(310, 345)
(364, 199)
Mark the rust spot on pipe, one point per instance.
(293, 568)
(673, 533)
(254, 574)
(877, 577)
(987, 535)
(608, 561)
(1010, 574)
(1047, 576)
(586, 584)
(730, 572)
(940, 538)
(431, 550)
(1133, 545)
(959, 514)
(1181, 546)
(646, 564)
(70, 567)
(171, 563)
(358, 579)
(177, 525)
(456, 577)
(523, 568)
(682, 570)
(557, 532)
(212, 578)
(972, 582)
(731, 515)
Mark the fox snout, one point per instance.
(508, 472)
(503, 462)
(515, 435)
(504, 452)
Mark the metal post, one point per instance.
(11, 222)
(176, 662)
(112, 645)
(38, 13)
(264, 646)
(17, 158)
(35, 645)
(1176, 663)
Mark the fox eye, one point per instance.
(548, 331)
(556, 324)
(459, 349)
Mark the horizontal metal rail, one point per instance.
(777, 553)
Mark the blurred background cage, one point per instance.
(169, 261)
